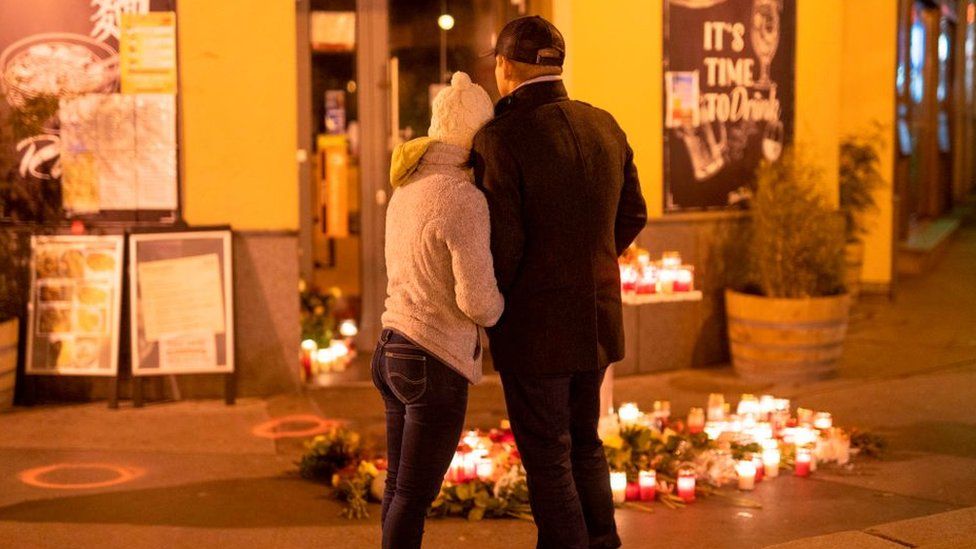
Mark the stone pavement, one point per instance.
(195, 473)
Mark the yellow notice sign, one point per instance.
(147, 52)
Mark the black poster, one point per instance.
(729, 95)
(51, 50)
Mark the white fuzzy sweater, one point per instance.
(441, 279)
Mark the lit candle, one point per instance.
(767, 405)
(760, 468)
(471, 438)
(782, 404)
(823, 421)
(746, 468)
(647, 480)
(804, 417)
(633, 491)
(618, 485)
(470, 465)
(628, 413)
(686, 485)
(804, 459)
(671, 259)
(662, 413)
(666, 277)
(628, 278)
(456, 470)
(684, 279)
(696, 420)
(771, 458)
(647, 281)
(716, 407)
(714, 429)
(748, 405)
(485, 469)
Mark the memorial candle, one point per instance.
(684, 279)
(696, 420)
(686, 485)
(823, 421)
(618, 485)
(633, 491)
(716, 407)
(485, 469)
(628, 413)
(804, 458)
(771, 458)
(746, 470)
(647, 480)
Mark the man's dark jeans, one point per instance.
(425, 405)
(554, 419)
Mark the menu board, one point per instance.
(729, 97)
(75, 305)
(119, 152)
(147, 52)
(53, 50)
(181, 299)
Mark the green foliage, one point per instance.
(796, 249)
(860, 177)
(326, 455)
(318, 322)
(477, 499)
(640, 448)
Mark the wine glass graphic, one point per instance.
(765, 36)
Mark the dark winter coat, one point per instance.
(565, 202)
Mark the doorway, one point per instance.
(926, 91)
(367, 73)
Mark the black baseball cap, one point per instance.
(531, 40)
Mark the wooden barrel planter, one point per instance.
(853, 266)
(786, 340)
(8, 362)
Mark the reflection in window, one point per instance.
(917, 58)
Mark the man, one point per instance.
(565, 202)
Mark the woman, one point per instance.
(441, 289)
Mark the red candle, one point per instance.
(696, 420)
(647, 281)
(648, 485)
(686, 486)
(684, 279)
(760, 473)
(803, 460)
(633, 491)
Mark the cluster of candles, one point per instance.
(335, 357)
(639, 275)
(471, 460)
(765, 421)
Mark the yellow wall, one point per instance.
(819, 49)
(239, 100)
(614, 62)
(869, 98)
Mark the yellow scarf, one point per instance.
(406, 159)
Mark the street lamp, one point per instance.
(446, 23)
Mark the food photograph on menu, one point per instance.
(75, 305)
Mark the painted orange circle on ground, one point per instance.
(273, 428)
(33, 477)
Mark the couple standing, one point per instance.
(525, 243)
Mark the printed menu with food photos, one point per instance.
(75, 305)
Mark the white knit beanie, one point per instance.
(460, 110)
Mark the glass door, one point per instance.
(368, 71)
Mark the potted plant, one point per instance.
(860, 177)
(787, 320)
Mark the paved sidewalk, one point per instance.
(199, 476)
